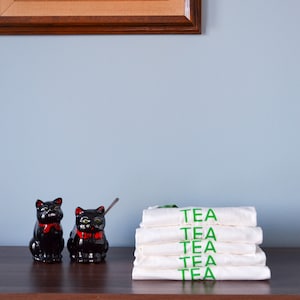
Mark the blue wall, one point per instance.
(208, 120)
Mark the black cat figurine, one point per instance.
(87, 242)
(47, 242)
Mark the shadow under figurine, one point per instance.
(47, 242)
(87, 242)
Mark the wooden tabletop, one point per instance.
(22, 278)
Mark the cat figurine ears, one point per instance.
(80, 210)
(57, 201)
(100, 209)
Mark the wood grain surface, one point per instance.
(22, 278)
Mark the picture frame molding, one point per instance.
(189, 22)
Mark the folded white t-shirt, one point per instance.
(234, 234)
(198, 216)
(195, 247)
(174, 262)
(205, 273)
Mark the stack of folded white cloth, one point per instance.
(198, 243)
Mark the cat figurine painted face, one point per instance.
(87, 242)
(47, 242)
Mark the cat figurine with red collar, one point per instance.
(47, 243)
(87, 242)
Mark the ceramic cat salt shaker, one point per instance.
(47, 242)
(87, 242)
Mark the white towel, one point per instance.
(195, 247)
(206, 273)
(175, 262)
(234, 234)
(198, 216)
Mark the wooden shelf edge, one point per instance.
(62, 296)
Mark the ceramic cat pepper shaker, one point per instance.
(87, 242)
(47, 242)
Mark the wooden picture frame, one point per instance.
(100, 17)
